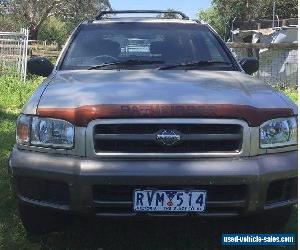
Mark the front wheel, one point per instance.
(41, 220)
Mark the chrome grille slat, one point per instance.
(126, 137)
(212, 137)
(138, 138)
(184, 137)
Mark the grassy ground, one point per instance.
(113, 234)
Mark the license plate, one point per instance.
(169, 200)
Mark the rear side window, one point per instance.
(168, 43)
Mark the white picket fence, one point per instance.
(13, 51)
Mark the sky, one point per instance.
(189, 7)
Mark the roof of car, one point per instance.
(144, 19)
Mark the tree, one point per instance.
(222, 12)
(33, 13)
(230, 9)
(168, 14)
(54, 30)
(284, 9)
(213, 17)
(255, 9)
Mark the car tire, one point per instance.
(275, 219)
(38, 220)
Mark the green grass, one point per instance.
(106, 234)
(292, 93)
(14, 92)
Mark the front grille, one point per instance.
(143, 138)
(221, 199)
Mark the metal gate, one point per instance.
(13, 52)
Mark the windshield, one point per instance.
(150, 45)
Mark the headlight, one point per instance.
(52, 133)
(47, 132)
(279, 133)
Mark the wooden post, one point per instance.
(285, 22)
(258, 26)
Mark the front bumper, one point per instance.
(236, 186)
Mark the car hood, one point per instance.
(73, 89)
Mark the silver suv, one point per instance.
(148, 116)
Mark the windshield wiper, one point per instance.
(130, 62)
(194, 64)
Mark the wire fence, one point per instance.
(13, 52)
(278, 62)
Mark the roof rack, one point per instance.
(114, 12)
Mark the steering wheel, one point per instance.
(103, 57)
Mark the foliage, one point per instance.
(213, 17)
(9, 24)
(168, 15)
(222, 12)
(54, 31)
(14, 92)
(255, 9)
(290, 92)
(230, 9)
(34, 13)
(283, 8)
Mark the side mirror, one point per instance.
(249, 64)
(40, 66)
